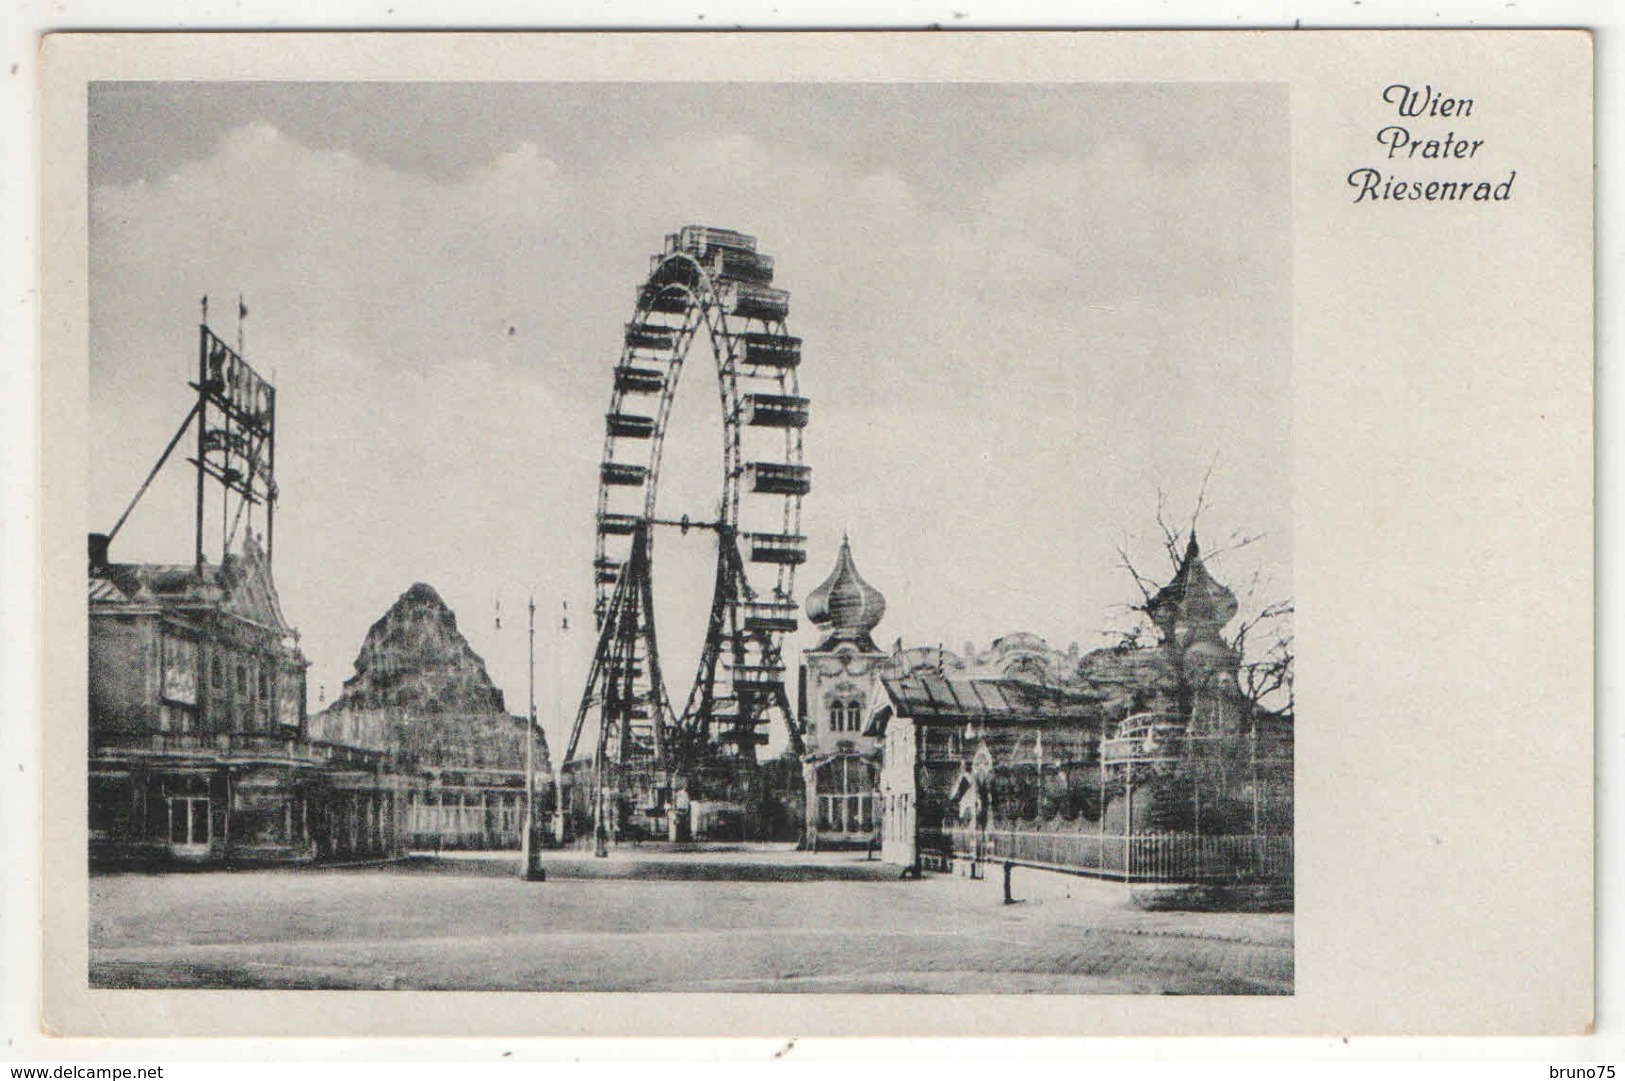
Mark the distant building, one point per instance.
(1139, 762)
(421, 695)
(955, 749)
(198, 745)
(839, 686)
(1025, 657)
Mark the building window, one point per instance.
(844, 714)
(179, 681)
(216, 680)
(845, 814)
(289, 692)
(189, 821)
(846, 801)
(176, 718)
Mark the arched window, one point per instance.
(846, 796)
(845, 715)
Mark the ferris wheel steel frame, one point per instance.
(647, 759)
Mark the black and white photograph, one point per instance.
(634, 536)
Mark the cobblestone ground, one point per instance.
(654, 921)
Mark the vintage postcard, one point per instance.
(666, 534)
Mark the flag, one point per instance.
(242, 309)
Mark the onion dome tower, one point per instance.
(1189, 612)
(840, 683)
(1193, 607)
(845, 606)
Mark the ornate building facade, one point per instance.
(840, 765)
(199, 746)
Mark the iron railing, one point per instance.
(1171, 857)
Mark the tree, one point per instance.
(1263, 634)
(1228, 692)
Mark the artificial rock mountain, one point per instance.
(426, 691)
(414, 659)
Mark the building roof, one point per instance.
(1193, 597)
(849, 607)
(933, 699)
(240, 586)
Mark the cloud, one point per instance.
(345, 248)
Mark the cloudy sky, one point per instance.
(1026, 309)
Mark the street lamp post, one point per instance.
(558, 720)
(529, 869)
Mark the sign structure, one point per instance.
(236, 439)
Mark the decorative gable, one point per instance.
(249, 591)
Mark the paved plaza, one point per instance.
(652, 920)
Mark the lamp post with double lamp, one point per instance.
(529, 869)
(537, 831)
(558, 720)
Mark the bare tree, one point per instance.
(1263, 637)
(1266, 645)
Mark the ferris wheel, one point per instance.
(712, 288)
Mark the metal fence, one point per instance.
(1174, 857)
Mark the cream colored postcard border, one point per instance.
(1443, 544)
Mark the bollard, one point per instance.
(1008, 867)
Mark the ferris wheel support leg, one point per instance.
(600, 780)
(600, 826)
